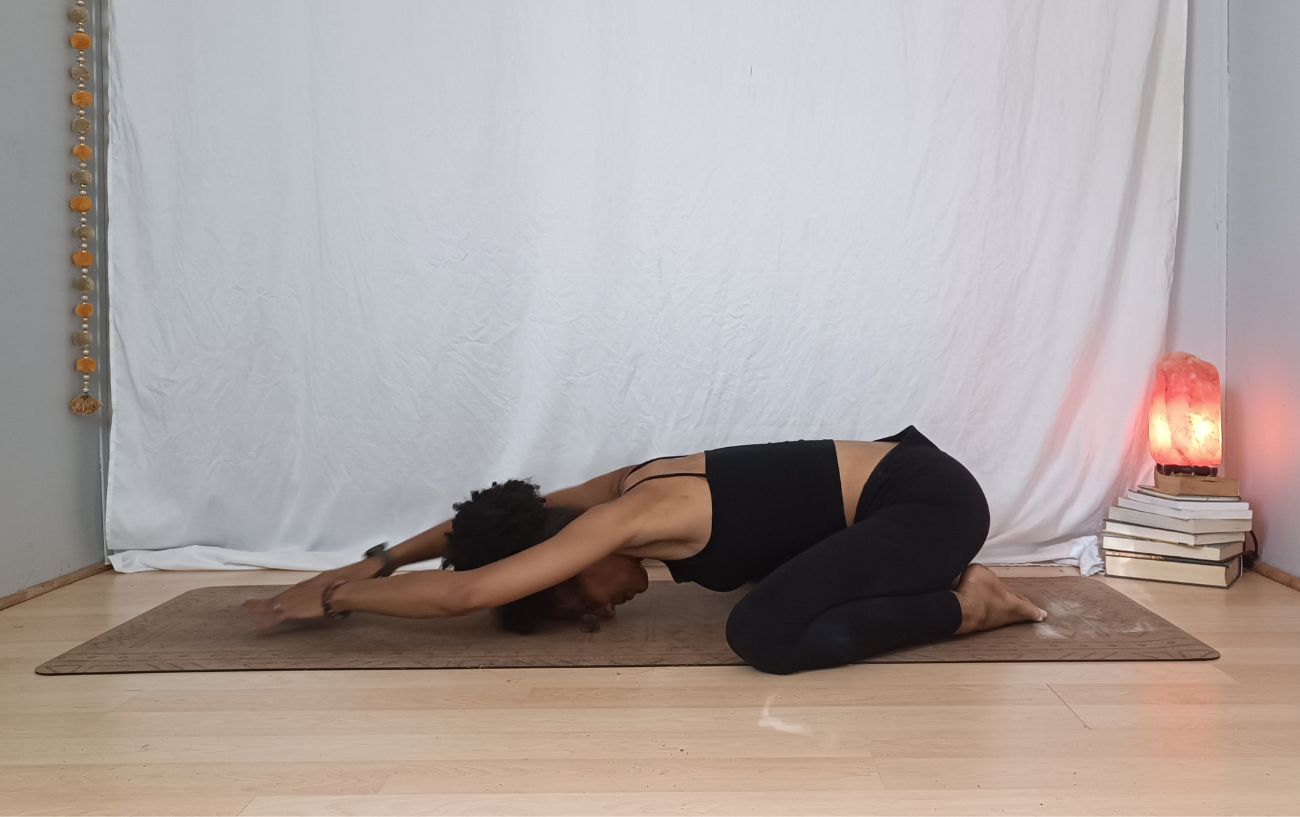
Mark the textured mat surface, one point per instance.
(670, 624)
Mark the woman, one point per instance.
(857, 548)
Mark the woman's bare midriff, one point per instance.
(684, 525)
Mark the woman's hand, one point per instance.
(300, 602)
(358, 571)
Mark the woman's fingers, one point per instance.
(262, 613)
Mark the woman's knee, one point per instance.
(760, 639)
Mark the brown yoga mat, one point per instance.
(669, 625)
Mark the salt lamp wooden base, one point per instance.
(1189, 485)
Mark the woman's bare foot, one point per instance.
(987, 603)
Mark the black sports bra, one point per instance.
(770, 501)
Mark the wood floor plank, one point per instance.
(94, 804)
(1225, 696)
(346, 749)
(48, 700)
(212, 780)
(666, 774)
(1137, 747)
(1151, 800)
(1085, 773)
(884, 719)
(553, 696)
(1242, 672)
(1155, 717)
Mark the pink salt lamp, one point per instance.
(1184, 423)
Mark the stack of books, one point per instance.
(1184, 538)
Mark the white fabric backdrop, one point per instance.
(365, 257)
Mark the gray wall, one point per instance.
(50, 505)
(1262, 441)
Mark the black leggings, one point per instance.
(881, 584)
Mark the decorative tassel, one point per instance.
(84, 404)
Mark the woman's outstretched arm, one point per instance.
(432, 544)
(586, 540)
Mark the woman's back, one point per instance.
(750, 508)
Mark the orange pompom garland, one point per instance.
(83, 176)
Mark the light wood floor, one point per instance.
(1219, 737)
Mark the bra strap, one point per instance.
(655, 459)
(664, 476)
(643, 465)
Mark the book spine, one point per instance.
(1126, 566)
(1153, 520)
(1201, 553)
(1199, 500)
(1197, 486)
(1178, 513)
(1196, 506)
(1156, 557)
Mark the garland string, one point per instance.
(82, 206)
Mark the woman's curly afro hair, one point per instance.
(498, 522)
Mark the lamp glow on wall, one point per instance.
(1185, 421)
